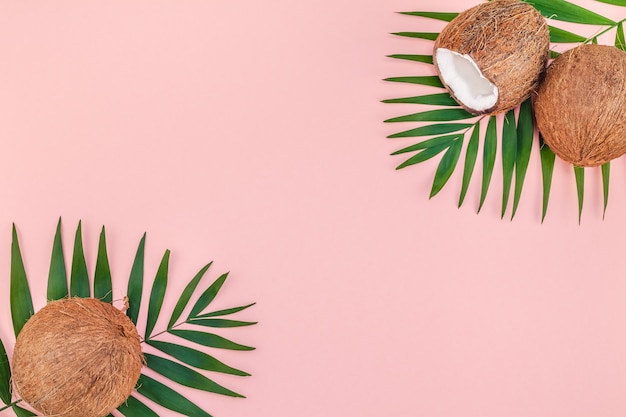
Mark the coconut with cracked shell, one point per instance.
(580, 106)
(490, 57)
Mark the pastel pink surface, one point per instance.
(251, 134)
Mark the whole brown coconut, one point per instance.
(581, 105)
(77, 357)
(491, 56)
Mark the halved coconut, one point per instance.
(77, 357)
(491, 56)
(581, 105)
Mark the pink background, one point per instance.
(250, 133)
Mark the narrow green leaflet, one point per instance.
(525, 134)
(558, 35)
(221, 323)
(418, 35)
(22, 412)
(547, 170)
(186, 295)
(195, 358)
(102, 286)
(168, 398)
(132, 407)
(446, 17)
(471, 155)
(489, 158)
(226, 311)
(209, 340)
(425, 155)
(430, 80)
(430, 143)
(79, 278)
(443, 115)
(157, 294)
(186, 376)
(439, 99)
(446, 167)
(5, 376)
(135, 282)
(427, 59)
(620, 42)
(208, 296)
(568, 12)
(606, 175)
(579, 173)
(615, 2)
(436, 129)
(509, 154)
(57, 276)
(20, 297)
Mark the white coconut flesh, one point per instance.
(461, 74)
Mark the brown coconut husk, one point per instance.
(77, 357)
(580, 107)
(510, 42)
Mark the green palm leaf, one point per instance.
(509, 154)
(446, 17)
(620, 42)
(5, 376)
(135, 408)
(427, 59)
(615, 2)
(471, 155)
(57, 277)
(21, 412)
(525, 136)
(418, 35)
(209, 340)
(186, 376)
(157, 294)
(226, 311)
(547, 171)
(434, 116)
(430, 143)
(606, 175)
(429, 80)
(186, 295)
(489, 158)
(221, 323)
(208, 296)
(102, 286)
(135, 282)
(568, 12)
(437, 129)
(79, 278)
(446, 167)
(558, 35)
(195, 358)
(579, 173)
(21, 300)
(168, 398)
(425, 155)
(439, 99)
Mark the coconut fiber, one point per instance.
(508, 40)
(581, 105)
(77, 357)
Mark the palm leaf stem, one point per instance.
(602, 32)
(11, 405)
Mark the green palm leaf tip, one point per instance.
(606, 175)
(5, 376)
(446, 167)
(525, 135)
(57, 276)
(132, 407)
(157, 294)
(207, 296)
(489, 158)
(509, 154)
(135, 282)
(547, 172)
(79, 278)
(579, 173)
(102, 286)
(21, 412)
(471, 155)
(20, 296)
(569, 12)
(186, 296)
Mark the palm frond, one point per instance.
(447, 135)
(5, 376)
(102, 286)
(57, 277)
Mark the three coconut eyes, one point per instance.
(493, 56)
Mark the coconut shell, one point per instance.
(508, 40)
(580, 107)
(77, 357)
